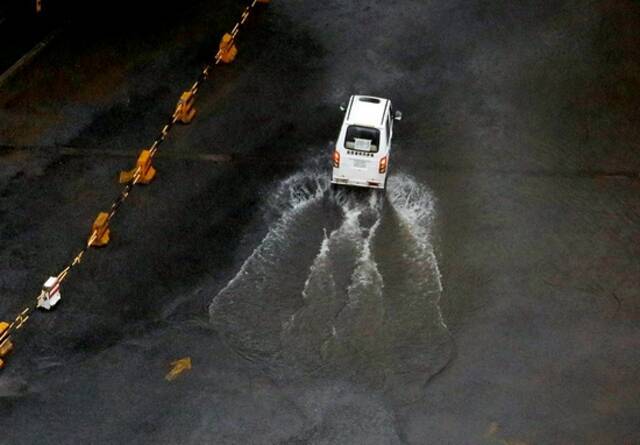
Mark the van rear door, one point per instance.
(362, 150)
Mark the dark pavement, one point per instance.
(521, 130)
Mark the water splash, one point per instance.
(415, 206)
(345, 283)
(340, 272)
(250, 310)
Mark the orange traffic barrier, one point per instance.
(142, 173)
(228, 50)
(185, 111)
(100, 231)
(263, 1)
(5, 344)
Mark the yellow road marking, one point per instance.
(178, 367)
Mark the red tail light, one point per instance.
(336, 159)
(382, 166)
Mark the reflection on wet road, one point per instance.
(366, 306)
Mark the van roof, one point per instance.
(367, 110)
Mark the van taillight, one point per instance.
(382, 166)
(336, 159)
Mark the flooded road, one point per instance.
(489, 296)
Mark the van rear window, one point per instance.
(362, 138)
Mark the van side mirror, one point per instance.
(397, 115)
(343, 107)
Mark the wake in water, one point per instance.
(344, 284)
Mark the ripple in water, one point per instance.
(345, 284)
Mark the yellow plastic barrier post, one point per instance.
(100, 231)
(144, 169)
(5, 345)
(185, 111)
(228, 50)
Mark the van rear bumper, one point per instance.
(358, 183)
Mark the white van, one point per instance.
(361, 154)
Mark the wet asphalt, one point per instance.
(521, 126)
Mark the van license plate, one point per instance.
(360, 164)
